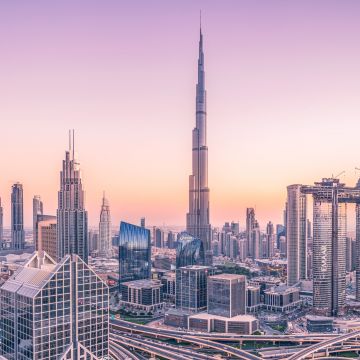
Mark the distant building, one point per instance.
(191, 288)
(72, 218)
(134, 253)
(47, 237)
(1, 226)
(142, 295)
(269, 240)
(93, 241)
(226, 295)
(142, 222)
(189, 251)
(17, 217)
(255, 242)
(105, 247)
(158, 238)
(162, 262)
(250, 224)
(282, 298)
(47, 312)
(38, 209)
(296, 235)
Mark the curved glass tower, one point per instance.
(134, 253)
(198, 217)
(190, 251)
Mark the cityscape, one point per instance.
(78, 283)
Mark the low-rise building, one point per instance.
(319, 324)
(240, 324)
(282, 298)
(142, 295)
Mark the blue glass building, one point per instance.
(134, 253)
(190, 251)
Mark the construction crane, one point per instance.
(338, 175)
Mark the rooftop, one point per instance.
(143, 284)
(228, 277)
(206, 316)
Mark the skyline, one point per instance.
(261, 82)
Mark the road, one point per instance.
(310, 350)
(182, 336)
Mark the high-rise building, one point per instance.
(296, 235)
(142, 222)
(48, 312)
(189, 251)
(255, 245)
(42, 218)
(72, 218)
(46, 237)
(329, 246)
(235, 228)
(37, 210)
(191, 288)
(226, 295)
(1, 226)
(17, 217)
(158, 237)
(105, 248)
(198, 217)
(269, 240)
(134, 253)
(250, 223)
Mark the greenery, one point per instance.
(231, 268)
(279, 327)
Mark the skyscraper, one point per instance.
(250, 223)
(46, 237)
(296, 235)
(189, 251)
(71, 213)
(1, 226)
(329, 245)
(54, 310)
(105, 247)
(269, 239)
(17, 217)
(198, 217)
(37, 210)
(134, 253)
(256, 241)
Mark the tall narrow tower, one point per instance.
(105, 229)
(71, 213)
(17, 217)
(198, 217)
(37, 210)
(1, 225)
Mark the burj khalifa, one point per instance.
(198, 217)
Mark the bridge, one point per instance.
(311, 350)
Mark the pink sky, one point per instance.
(283, 82)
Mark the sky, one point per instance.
(283, 90)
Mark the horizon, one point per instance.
(280, 104)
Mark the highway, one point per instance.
(120, 353)
(172, 348)
(310, 350)
(182, 336)
(150, 349)
(300, 338)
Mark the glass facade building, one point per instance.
(191, 287)
(134, 253)
(17, 217)
(190, 251)
(227, 295)
(296, 235)
(54, 311)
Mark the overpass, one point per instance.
(182, 336)
(311, 350)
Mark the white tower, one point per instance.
(105, 229)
